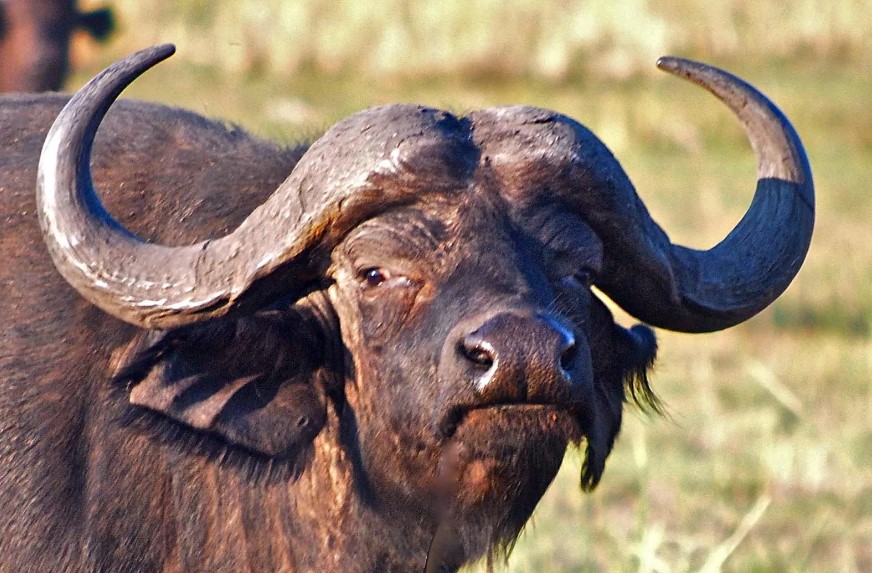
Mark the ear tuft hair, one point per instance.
(642, 343)
(622, 359)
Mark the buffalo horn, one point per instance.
(281, 248)
(683, 289)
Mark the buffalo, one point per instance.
(35, 41)
(365, 354)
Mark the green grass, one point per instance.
(764, 463)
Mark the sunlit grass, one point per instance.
(765, 460)
(737, 477)
(541, 38)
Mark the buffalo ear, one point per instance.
(621, 360)
(254, 382)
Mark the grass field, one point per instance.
(764, 462)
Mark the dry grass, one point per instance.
(765, 463)
(541, 38)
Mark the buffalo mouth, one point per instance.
(497, 462)
(513, 447)
(514, 417)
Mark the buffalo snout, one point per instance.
(515, 357)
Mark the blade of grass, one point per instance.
(722, 552)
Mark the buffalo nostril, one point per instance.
(567, 347)
(567, 357)
(477, 351)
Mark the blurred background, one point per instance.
(764, 460)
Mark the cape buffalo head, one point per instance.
(425, 281)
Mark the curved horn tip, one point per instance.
(671, 63)
(778, 148)
(123, 72)
(157, 52)
(667, 63)
(680, 66)
(160, 51)
(147, 58)
(106, 86)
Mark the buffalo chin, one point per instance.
(506, 457)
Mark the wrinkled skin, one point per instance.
(135, 450)
(35, 41)
(442, 269)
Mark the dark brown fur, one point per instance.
(93, 478)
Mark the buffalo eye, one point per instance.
(580, 279)
(373, 277)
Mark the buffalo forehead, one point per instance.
(396, 142)
(419, 150)
(529, 150)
